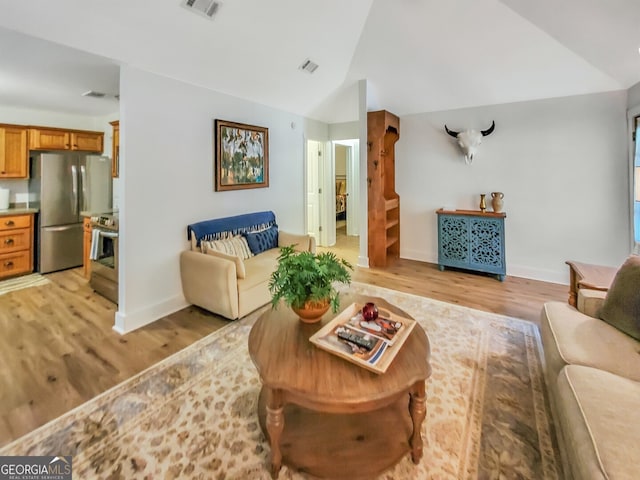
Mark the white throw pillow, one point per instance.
(235, 246)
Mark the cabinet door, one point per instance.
(13, 152)
(87, 141)
(115, 149)
(487, 244)
(43, 139)
(453, 241)
(86, 246)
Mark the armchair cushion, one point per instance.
(621, 307)
(240, 269)
(263, 240)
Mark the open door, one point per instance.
(314, 152)
(636, 187)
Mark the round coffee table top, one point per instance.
(286, 360)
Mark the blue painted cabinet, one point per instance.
(472, 240)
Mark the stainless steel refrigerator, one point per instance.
(62, 185)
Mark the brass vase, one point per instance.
(483, 203)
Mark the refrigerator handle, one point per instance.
(83, 177)
(74, 189)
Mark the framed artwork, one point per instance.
(241, 157)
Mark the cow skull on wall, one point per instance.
(469, 140)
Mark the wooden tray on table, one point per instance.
(371, 345)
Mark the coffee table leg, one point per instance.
(275, 426)
(418, 410)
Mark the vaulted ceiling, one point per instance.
(417, 55)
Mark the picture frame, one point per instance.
(241, 156)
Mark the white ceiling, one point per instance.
(417, 55)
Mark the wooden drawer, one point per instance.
(15, 221)
(15, 263)
(15, 240)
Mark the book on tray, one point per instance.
(370, 343)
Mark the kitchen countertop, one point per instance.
(17, 211)
(89, 213)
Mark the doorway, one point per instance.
(332, 217)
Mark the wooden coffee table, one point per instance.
(328, 417)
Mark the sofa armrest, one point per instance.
(210, 282)
(303, 243)
(590, 301)
(239, 263)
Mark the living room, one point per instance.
(562, 162)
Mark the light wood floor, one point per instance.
(58, 349)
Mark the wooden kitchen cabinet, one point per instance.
(115, 149)
(14, 156)
(45, 138)
(86, 246)
(16, 245)
(87, 141)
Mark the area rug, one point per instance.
(194, 414)
(25, 281)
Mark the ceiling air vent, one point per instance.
(94, 94)
(206, 8)
(308, 66)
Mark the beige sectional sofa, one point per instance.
(225, 283)
(593, 376)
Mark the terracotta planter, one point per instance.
(313, 311)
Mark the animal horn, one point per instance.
(488, 130)
(453, 133)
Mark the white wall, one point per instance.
(344, 131)
(561, 163)
(24, 116)
(167, 182)
(634, 96)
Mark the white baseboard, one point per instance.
(552, 276)
(417, 255)
(127, 322)
(531, 273)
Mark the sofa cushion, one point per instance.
(240, 270)
(570, 337)
(263, 240)
(590, 301)
(599, 417)
(301, 243)
(622, 304)
(236, 246)
(259, 269)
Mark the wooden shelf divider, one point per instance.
(383, 131)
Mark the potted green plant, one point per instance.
(305, 282)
